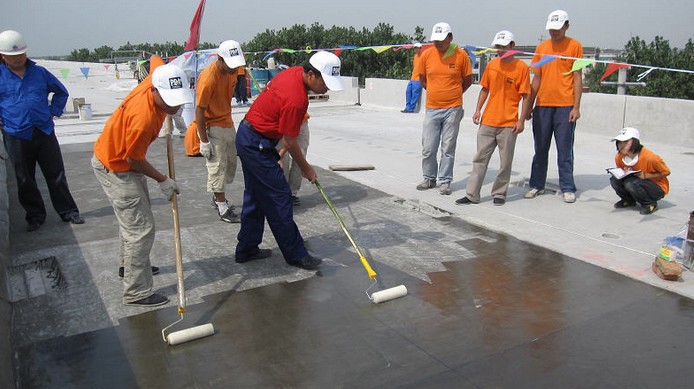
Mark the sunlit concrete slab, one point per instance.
(484, 309)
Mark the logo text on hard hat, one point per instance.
(175, 83)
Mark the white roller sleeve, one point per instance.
(190, 334)
(389, 294)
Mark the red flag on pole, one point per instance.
(194, 37)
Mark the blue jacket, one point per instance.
(24, 101)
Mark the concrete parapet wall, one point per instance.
(669, 121)
(384, 92)
(601, 114)
(350, 93)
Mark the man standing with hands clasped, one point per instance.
(215, 88)
(506, 80)
(121, 166)
(556, 91)
(26, 114)
(445, 72)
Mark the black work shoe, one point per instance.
(73, 218)
(623, 204)
(121, 271)
(406, 111)
(308, 262)
(261, 254)
(464, 201)
(648, 209)
(230, 217)
(33, 225)
(295, 201)
(499, 201)
(151, 301)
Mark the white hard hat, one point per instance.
(12, 43)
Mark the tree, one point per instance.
(659, 83)
(356, 63)
(105, 52)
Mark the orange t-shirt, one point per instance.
(192, 140)
(444, 77)
(649, 162)
(132, 127)
(556, 87)
(415, 63)
(154, 62)
(507, 82)
(214, 91)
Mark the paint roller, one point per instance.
(200, 331)
(375, 297)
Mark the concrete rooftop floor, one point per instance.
(537, 293)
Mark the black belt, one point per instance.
(250, 127)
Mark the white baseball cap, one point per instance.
(172, 84)
(232, 54)
(627, 133)
(417, 44)
(503, 38)
(440, 31)
(556, 20)
(328, 64)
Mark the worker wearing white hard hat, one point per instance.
(27, 119)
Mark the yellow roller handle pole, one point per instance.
(254, 81)
(372, 274)
(176, 223)
(369, 270)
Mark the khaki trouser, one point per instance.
(488, 138)
(292, 171)
(221, 168)
(129, 197)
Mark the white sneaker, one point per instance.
(532, 193)
(569, 197)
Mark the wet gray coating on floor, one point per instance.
(483, 309)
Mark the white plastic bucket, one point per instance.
(85, 112)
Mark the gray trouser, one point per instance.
(292, 171)
(441, 127)
(488, 138)
(221, 168)
(129, 197)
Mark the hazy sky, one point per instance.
(56, 27)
